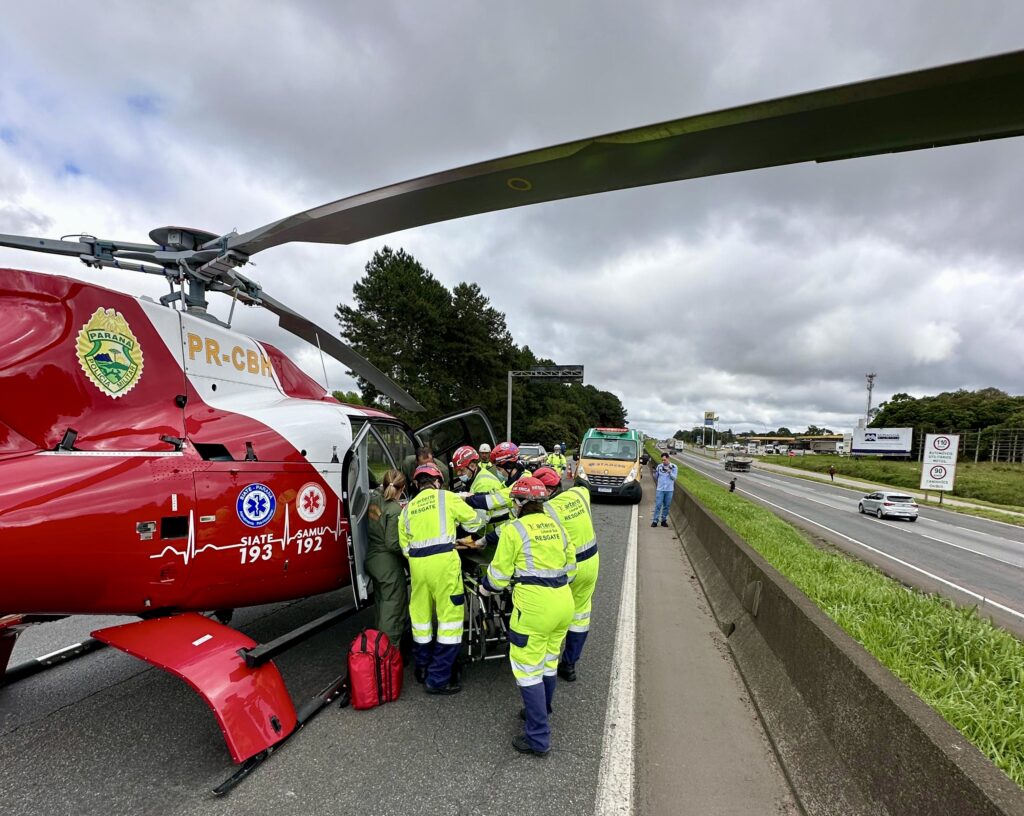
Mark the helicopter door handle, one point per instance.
(175, 442)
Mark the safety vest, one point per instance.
(485, 482)
(533, 551)
(557, 461)
(428, 523)
(571, 509)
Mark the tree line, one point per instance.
(952, 410)
(990, 422)
(452, 349)
(727, 437)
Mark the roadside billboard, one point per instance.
(938, 465)
(893, 441)
(709, 418)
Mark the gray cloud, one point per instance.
(764, 296)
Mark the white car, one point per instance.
(889, 503)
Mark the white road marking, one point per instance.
(615, 778)
(934, 577)
(1017, 564)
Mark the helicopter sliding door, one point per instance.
(445, 435)
(376, 449)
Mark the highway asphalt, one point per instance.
(108, 735)
(970, 560)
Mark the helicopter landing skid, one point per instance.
(11, 626)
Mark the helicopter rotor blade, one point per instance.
(49, 245)
(965, 102)
(330, 344)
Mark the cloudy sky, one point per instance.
(764, 296)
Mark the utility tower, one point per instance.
(871, 384)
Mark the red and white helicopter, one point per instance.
(158, 464)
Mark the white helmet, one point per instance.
(484, 449)
(558, 448)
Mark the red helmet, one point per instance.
(505, 453)
(529, 489)
(463, 456)
(548, 476)
(427, 471)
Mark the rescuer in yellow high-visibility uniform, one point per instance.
(508, 469)
(571, 509)
(485, 457)
(472, 474)
(556, 460)
(535, 556)
(427, 534)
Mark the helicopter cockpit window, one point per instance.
(378, 459)
(446, 439)
(398, 442)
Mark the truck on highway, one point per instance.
(737, 462)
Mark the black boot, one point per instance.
(664, 524)
(522, 745)
(567, 671)
(654, 524)
(420, 673)
(447, 689)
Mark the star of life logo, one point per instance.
(110, 355)
(311, 501)
(256, 505)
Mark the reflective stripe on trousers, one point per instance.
(437, 591)
(539, 621)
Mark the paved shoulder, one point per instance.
(701, 748)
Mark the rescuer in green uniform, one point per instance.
(535, 556)
(385, 563)
(571, 509)
(427, 533)
(424, 456)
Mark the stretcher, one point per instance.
(487, 616)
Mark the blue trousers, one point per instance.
(662, 499)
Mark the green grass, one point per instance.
(996, 483)
(969, 671)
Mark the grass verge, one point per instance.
(969, 671)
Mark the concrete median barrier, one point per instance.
(852, 737)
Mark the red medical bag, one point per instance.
(374, 670)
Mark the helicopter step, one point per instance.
(254, 710)
(252, 705)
